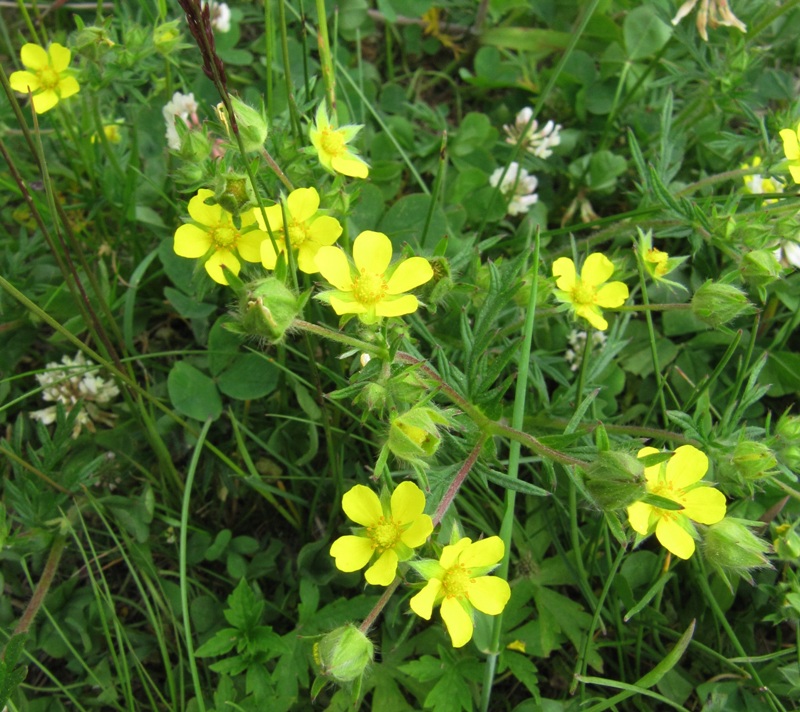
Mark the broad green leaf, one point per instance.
(192, 393)
(645, 32)
(249, 377)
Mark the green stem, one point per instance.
(326, 61)
(517, 419)
(187, 623)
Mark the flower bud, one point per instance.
(414, 435)
(786, 542)
(615, 480)
(92, 42)
(761, 267)
(234, 193)
(344, 654)
(167, 36)
(788, 441)
(252, 124)
(732, 548)
(753, 459)
(716, 303)
(268, 310)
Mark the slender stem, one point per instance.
(276, 169)
(367, 623)
(324, 43)
(33, 470)
(324, 331)
(458, 480)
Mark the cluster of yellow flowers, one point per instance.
(391, 528)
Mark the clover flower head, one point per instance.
(212, 234)
(73, 383)
(577, 343)
(535, 140)
(586, 294)
(711, 12)
(46, 76)
(677, 479)
(220, 15)
(459, 581)
(331, 146)
(306, 228)
(391, 531)
(181, 106)
(372, 288)
(791, 147)
(518, 187)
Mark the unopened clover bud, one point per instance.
(234, 193)
(414, 434)
(268, 310)
(716, 303)
(731, 547)
(344, 654)
(615, 480)
(252, 124)
(753, 459)
(167, 36)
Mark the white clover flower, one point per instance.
(788, 253)
(185, 107)
(74, 382)
(537, 141)
(518, 186)
(220, 15)
(577, 341)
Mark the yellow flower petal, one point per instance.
(451, 552)
(397, 306)
(791, 145)
(249, 245)
(306, 256)
(333, 265)
(59, 57)
(44, 101)
(34, 57)
(418, 532)
(408, 502)
(612, 295)
(22, 81)
(68, 86)
(489, 594)
(458, 622)
(383, 571)
(215, 262)
(423, 602)
(795, 171)
(596, 270)
(191, 241)
(345, 303)
(372, 252)
(674, 538)
(303, 203)
(325, 230)
(410, 273)
(564, 272)
(486, 552)
(593, 315)
(350, 165)
(269, 257)
(204, 214)
(639, 517)
(362, 505)
(705, 505)
(686, 466)
(352, 553)
(650, 473)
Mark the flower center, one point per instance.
(297, 232)
(581, 294)
(332, 142)
(224, 236)
(456, 582)
(49, 78)
(385, 534)
(369, 288)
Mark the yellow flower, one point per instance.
(48, 80)
(331, 146)
(460, 583)
(678, 480)
(372, 289)
(584, 294)
(757, 184)
(307, 230)
(111, 132)
(791, 147)
(212, 234)
(390, 531)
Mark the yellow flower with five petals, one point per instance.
(460, 582)
(391, 531)
(678, 480)
(330, 145)
(372, 288)
(306, 228)
(791, 147)
(212, 234)
(586, 294)
(48, 79)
